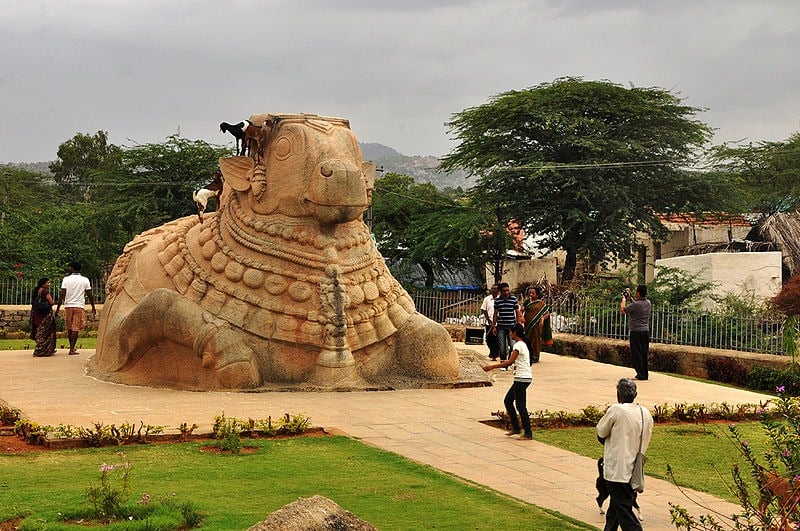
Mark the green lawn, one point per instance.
(701, 456)
(236, 491)
(61, 343)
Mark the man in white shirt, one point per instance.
(487, 311)
(623, 430)
(75, 288)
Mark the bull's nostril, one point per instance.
(326, 171)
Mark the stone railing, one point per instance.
(17, 318)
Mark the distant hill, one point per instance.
(35, 167)
(422, 169)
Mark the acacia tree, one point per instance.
(768, 173)
(416, 224)
(25, 200)
(149, 184)
(584, 165)
(79, 158)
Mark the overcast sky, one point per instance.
(145, 69)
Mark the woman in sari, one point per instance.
(43, 323)
(537, 316)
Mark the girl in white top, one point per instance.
(523, 376)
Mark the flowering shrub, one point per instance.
(774, 502)
(107, 497)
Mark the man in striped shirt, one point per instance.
(507, 313)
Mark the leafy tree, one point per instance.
(78, 159)
(146, 185)
(132, 190)
(25, 202)
(416, 224)
(768, 173)
(585, 164)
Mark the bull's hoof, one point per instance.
(235, 363)
(239, 375)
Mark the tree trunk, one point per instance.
(429, 278)
(570, 263)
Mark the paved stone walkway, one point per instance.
(437, 427)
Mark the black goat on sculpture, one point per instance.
(237, 130)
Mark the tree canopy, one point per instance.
(584, 165)
(418, 225)
(768, 173)
(99, 197)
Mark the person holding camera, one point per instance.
(638, 312)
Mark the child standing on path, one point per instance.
(523, 376)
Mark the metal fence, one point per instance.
(18, 291)
(452, 307)
(677, 326)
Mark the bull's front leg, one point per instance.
(165, 317)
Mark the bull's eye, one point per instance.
(283, 148)
(326, 171)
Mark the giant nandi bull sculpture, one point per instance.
(281, 286)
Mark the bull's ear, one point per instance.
(369, 169)
(237, 172)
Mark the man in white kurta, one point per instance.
(620, 430)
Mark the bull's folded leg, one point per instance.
(165, 317)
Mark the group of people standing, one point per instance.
(515, 334)
(75, 289)
(501, 311)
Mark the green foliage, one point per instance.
(295, 424)
(99, 197)
(106, 497)
(677, 288)
(417, 225)
(78, 160)
(763, 378)
(9, 415)
(768, 173)
(150, 184)
(387, 490)
(727, 370)
(664, 413)
(32, 432)
(26, 199)
(769, 501)
(585, 164)
(228, 433)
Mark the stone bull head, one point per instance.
(308, 167)
(282, 286)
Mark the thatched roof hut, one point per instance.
(784, 229)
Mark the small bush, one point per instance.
(664, 362)
(295, 425)
(727, 370)
(9, 415)
(227, 432)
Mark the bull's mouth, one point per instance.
(336, 205)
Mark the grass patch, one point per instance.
(61, 343)
(237, 491)
(700, 455)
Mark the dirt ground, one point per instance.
(11, 444)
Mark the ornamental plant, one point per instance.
(107, 496)
(772, 502)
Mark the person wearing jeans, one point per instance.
(517, 393)
(507, 313)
